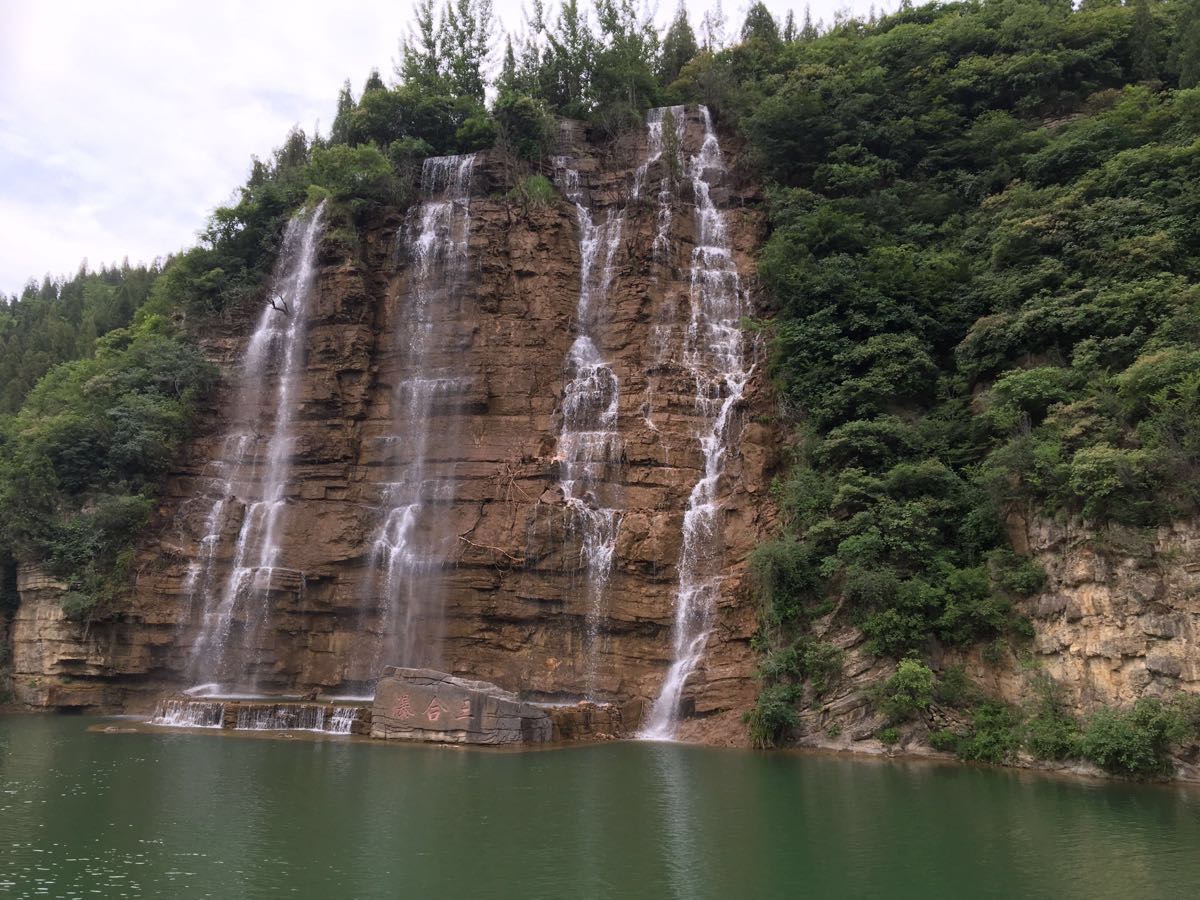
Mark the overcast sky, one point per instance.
(124, 123)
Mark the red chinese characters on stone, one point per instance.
(434, 711)
(403, 708)
(465, 712)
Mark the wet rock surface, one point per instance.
(515, 611)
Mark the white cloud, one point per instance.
(123, 124)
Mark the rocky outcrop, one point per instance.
(1117, 620)
(424, 705)
(514, 613)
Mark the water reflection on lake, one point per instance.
(194, 814)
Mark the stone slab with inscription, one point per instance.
(426, 705)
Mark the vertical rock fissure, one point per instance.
(402, 594)
(227, 651)
(713, 355)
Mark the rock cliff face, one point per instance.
(1116, 620)
(514, 613)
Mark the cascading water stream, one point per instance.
(408, 547)
(658, 143)
(713, 355)
(589, 444)
(665, 127)
(222, 653)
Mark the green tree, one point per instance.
(422, 64)
(678, 47)
(623, 82)
(374, 83)
(760, 25)
(1187, 46)
(339, 133)
(808, 32)
(566, 68)
(1145, 43)
(463, 42)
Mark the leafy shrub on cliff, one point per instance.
(818, 661)
(773, 716)
(79, 465)
(525, 127)
(1135, 741)
(1051, 733)
(537, 192)
(906, 693)
(361, 177)
(993, 736)
(784, 579)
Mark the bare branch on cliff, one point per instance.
(516, 559)
(280, 305)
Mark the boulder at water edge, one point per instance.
(426, 705)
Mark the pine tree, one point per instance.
(566, 67)
(1145, 42)
(678, 47)
(464, 38)
(507, 82)
(809, 31)
(420, 58)
(339, 133)
(789, 27)
(374, 82)
(760, 25)
(713, 28)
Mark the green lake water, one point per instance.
(173, 814)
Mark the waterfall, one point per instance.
(656, 146)
(190, 713)
(410, 544)
(179, 712)
(589, 444)
(713, 356)
(255, 477)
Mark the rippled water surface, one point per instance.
(86, 814)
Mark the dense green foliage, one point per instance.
(60, 320)
(80, 462)
(1137, 741)
(983, 266)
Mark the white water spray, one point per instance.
(408, 547)
(233, 614)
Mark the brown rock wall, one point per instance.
(515, 610)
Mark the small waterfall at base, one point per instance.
(234, 613)
(713, 355)
(589, 444)
(409, 546)
(257, 715)
(190, 713)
